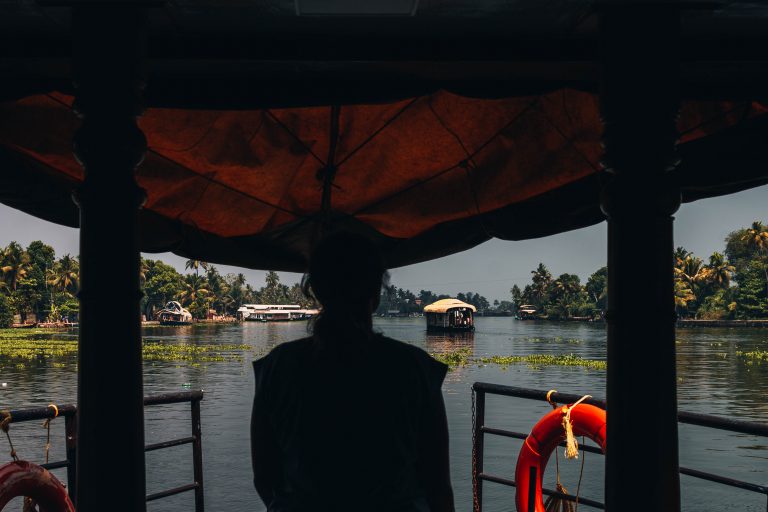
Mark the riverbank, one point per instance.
(680, 322)
(722, 323)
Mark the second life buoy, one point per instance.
(547, 434)
(22, 478)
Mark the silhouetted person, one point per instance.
(349, 420)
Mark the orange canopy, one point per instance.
(425, 176)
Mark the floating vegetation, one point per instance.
(754, 357)
(463, 357)
(454, 358)
(538, 360)
(20, 349)
(553, 339)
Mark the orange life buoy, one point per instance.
(22, 478)
(587, 420)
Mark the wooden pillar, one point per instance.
(639, 103)
(108, 49)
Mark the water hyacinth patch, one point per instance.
(754, 357)
(21, 348)
(463, 357)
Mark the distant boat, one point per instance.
(274, 312)
(526, 312)
(450, 315)
(174, 314)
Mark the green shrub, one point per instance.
(6, 313)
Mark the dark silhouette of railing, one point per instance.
(69, 412)
(481, 389)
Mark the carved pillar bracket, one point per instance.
(107, 63)
(639, 104)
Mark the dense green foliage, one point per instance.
(34, 281)
(563, 297)
(209, 291)
(6, 313)
(396, 300)
(733, 285)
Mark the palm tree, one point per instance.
(680, 254)
(194, 288)
(145, 268)
(65, 275)
(196, 265)
(719, 271)
(692, 273)
(542, 278)
(683, 295)
(757, 238)
(15, 264)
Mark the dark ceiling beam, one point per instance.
(436, 48)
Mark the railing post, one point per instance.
(477, 450)
(70, 431)
(197, 456)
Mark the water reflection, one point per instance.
(448, 341)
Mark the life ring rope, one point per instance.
(571, 446)
(563, 423)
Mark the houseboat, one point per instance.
(174, 314)
(526, 312)
(450, 315)
(274, 312)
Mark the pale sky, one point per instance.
(489, 269)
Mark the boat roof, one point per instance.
(255, 107)
(271, 306)
(443, 305)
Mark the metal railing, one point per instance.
(480, 429)
(69, 412)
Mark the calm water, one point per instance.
(712, 379)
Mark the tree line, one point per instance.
(34, 281)
(728, 285)
(394, 300)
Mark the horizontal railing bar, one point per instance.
(691, 418)
(520, 435)
(548, 492)
(169, 444)
(41, 413)
(171, 492)
(532, 394)
(740, 426)
(686, 471)
(174, 398)
(55, 465)
(724, 480)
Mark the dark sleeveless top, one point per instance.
(348, 422)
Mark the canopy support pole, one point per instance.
(107, 53)
(639, 104)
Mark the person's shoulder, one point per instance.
(283, 350)
(431, 367)
(407, 350)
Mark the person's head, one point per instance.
(346, 272)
